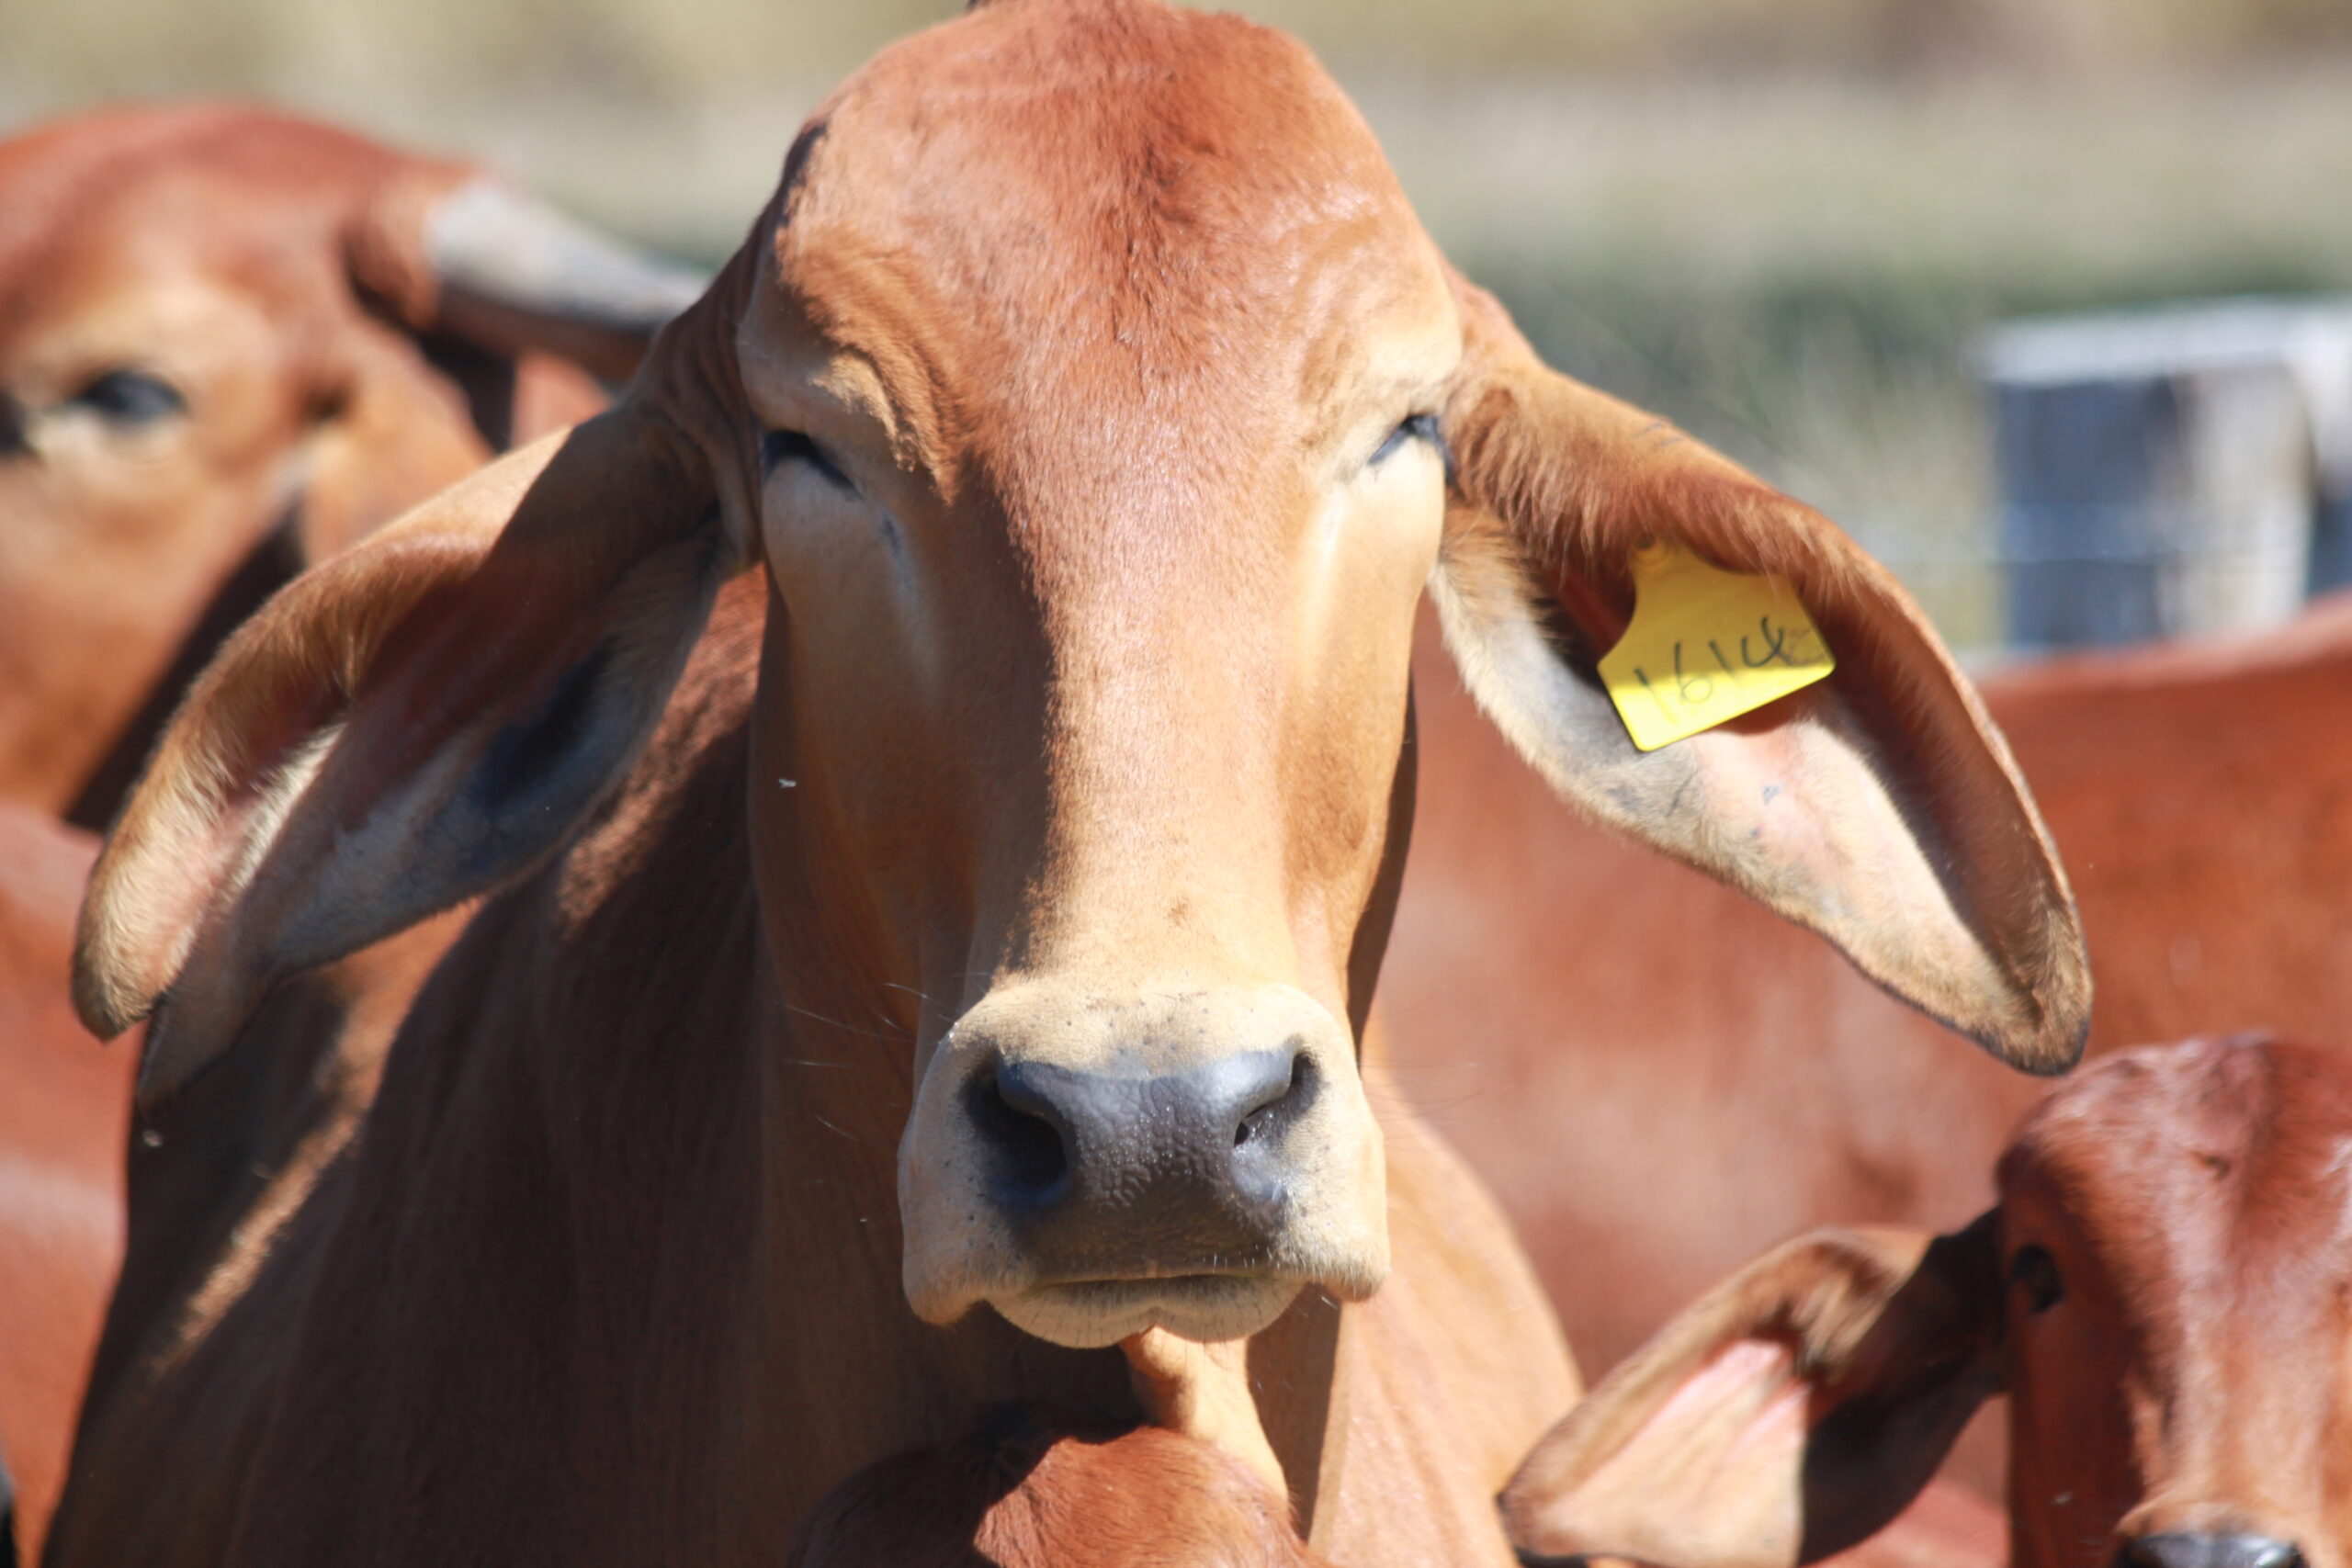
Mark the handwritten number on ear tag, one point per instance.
(1705, 645)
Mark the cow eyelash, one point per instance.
(2035, 1269)
(1418, 427)
(779, 447)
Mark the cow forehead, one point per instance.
(1104, 205)
(2221, 1164)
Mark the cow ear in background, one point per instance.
(477, 260)
(407, 727)
(1879, 808)
(1787, 1415)
(506, 299)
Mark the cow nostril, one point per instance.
(1279, 1103)
(1032, 1156)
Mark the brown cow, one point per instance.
(62, 1115)
(232, 342)
(2164, 1290)
(972, 975)
(1660, 1082)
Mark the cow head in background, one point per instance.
(233, 342)
(1100, 413)
(2164, 1291)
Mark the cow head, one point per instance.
(230, 343)
(1100, 414)
(2162, 1293)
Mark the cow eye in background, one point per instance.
(2035, 1272)
(132, 399)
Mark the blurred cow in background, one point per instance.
(231, 342)
(2160, 1289)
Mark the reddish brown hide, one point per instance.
(63, 1116)
(2163, 1291)
(1660, 1081)
(231, 342)
(948, 959)
(1027, 1493)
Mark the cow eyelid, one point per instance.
(779, 447)
(1415, 427)
(128, 396)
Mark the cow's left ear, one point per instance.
(1788, 1415)
(1879, 808)
(414, 724)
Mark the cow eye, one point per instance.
(129, 398)
(1420, 428)
(2037, 1272)
(780, 447)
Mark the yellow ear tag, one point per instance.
(1705, 645)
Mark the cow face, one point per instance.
(1100, 414)
(2176, 1236)
(1097, 580)
(2162, 1293)
(211, 371)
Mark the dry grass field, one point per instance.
(1782, 221)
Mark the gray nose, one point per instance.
(2195, 1549)
(1177, 1172)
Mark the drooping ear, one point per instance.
(1785, 1416)
(1879, 808)
(401, 728)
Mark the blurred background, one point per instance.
(1788, 224)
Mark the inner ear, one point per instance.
(1785, 1416)
(1878, 806)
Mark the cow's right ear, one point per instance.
(404, 727)
(1787, 1415)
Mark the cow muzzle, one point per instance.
(1096, 1167)
(2204, 1549)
